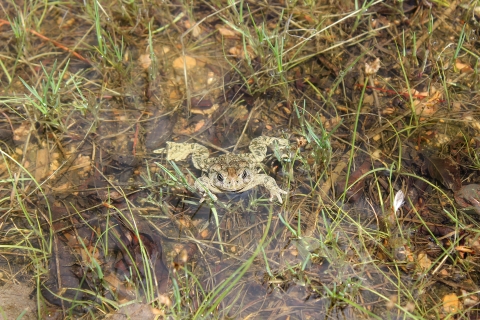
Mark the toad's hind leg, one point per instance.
(270, 184)
(199, 156)
(180, 151)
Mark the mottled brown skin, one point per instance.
(229, 172)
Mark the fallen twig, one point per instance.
(55, 43)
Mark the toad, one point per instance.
(229, 172)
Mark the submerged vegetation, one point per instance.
(378, 100)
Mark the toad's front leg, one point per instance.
(270, 184)
(258, 147)
(204, 187)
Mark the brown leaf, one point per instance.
(227, 32)
(423, 261)
(239, 52)
(468, 196)
(428, 106)
(444, 171)
(43, 159)
(436, 230)
(133, 311)
(463, 67)
(372, 68)
(299, 81)
(184, 62)
(145, 61)
(356, 191)
(451, 304)
(185, 254)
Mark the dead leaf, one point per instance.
(184, 62)
(210, 77)
(227, 32)
(82, 162)
(469, 299)
(468, 197)
(392, 301)
(427, 108)
(372, 68)
(418, 94)
(377, 154)
(423, 261)
(187, 24)
(20, 134)
(444, 273)
(90, 255)
(199, 126)
(175, 95)
(204, 234)
(436, 230)
(410, 306)
(239, 52)
(145, 61)
(368, 100)
(192, 129)
(62, 187)
(445, 171)
(42, 164)
(309, 19)
(356, 191)
(472, 121)
(65, 23)
(165, 300)
(161, 50)
(424, 109)
(474, 244)
(451, 304)
(462, 67)
(54, 166)
(464, 249)
(133, 311)
(205, 111)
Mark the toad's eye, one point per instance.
(220, 177)
(244, 174)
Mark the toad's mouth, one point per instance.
(234, 188)
(230, 186)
